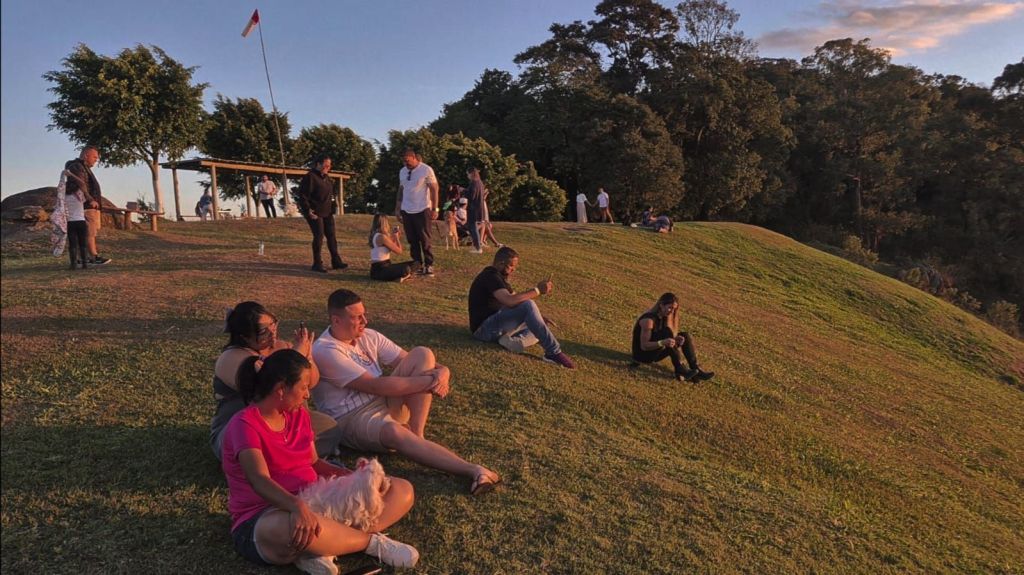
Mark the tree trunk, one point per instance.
(158, 196)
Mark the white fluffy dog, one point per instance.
(357, 500)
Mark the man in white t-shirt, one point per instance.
(377, 412)
(605, 213)
(417, 205)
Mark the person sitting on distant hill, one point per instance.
(647, 217)
(498, 314)
(268, 458)
(663, 224)
(252, 332)
(655, 338)
(378, 412)
(384, 240)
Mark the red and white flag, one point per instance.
(253, 21)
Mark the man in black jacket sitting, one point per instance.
(314, 197)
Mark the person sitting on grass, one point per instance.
(252, 332)
(383, 241)
(655, 338)
(498, 314)
(377, 412)
(268, 458)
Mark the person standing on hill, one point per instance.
(417, 205)
(315, 200)
(605, 212)
(655, 338)
(267, 190)
(474, 211)
(80, 178)
(581, 208)
(498, 314)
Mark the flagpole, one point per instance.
(277, 125)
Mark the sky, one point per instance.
(388, 64)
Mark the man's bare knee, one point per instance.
(394, 435)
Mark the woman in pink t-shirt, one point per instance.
(268, 457)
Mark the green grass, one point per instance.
(856, 425)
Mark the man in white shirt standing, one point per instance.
(603, 207)
(417, 205)
(377, 412)
(267, 191)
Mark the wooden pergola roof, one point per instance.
(215, 165)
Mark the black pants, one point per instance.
(417, 230)
(671, 352)
(78, 236)
(323, 227)
(268, 207)
(388, 272)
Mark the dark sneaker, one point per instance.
(319, 268)
(560, 359)
(99, 260)
(339, 265)
(687, 374)
(704, 375)
(428, 271)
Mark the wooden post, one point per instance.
(177, 195)
(248, 199)
(287, 193)
(341, 196)
(213, 190)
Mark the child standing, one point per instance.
(78, 229)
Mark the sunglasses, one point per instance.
(408, 175)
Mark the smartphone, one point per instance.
(394, 230)
(302, 325)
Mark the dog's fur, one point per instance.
(451, 238)
(357, 500)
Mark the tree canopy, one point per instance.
(136, 107)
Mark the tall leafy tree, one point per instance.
(242, 130)
(136, 107)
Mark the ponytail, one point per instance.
(284, 366)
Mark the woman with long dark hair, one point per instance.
(655, 337)
(269, 457)
(252, 333)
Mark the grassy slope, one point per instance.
(856, 424)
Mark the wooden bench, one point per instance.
(127, 215)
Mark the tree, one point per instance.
(136, 107)
(348, 152)
(639, 36)
(242, 130)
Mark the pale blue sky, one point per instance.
(376, 66)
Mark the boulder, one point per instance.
(43, 199)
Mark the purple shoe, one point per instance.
(560, 359)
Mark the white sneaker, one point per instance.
(478, 251)
(392, 552)
(317, 565)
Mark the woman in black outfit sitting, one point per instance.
(655, 338)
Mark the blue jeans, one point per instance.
(508, 319)
(474, 230)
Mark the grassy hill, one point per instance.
(856, 425)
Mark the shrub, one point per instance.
(536, 199)
(1005, 316)
(854, 251)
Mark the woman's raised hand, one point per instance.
(303, 340)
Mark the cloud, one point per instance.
(900, 27)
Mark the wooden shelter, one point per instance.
(214, 166)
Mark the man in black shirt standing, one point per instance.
(314, 197)
(498, 314)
